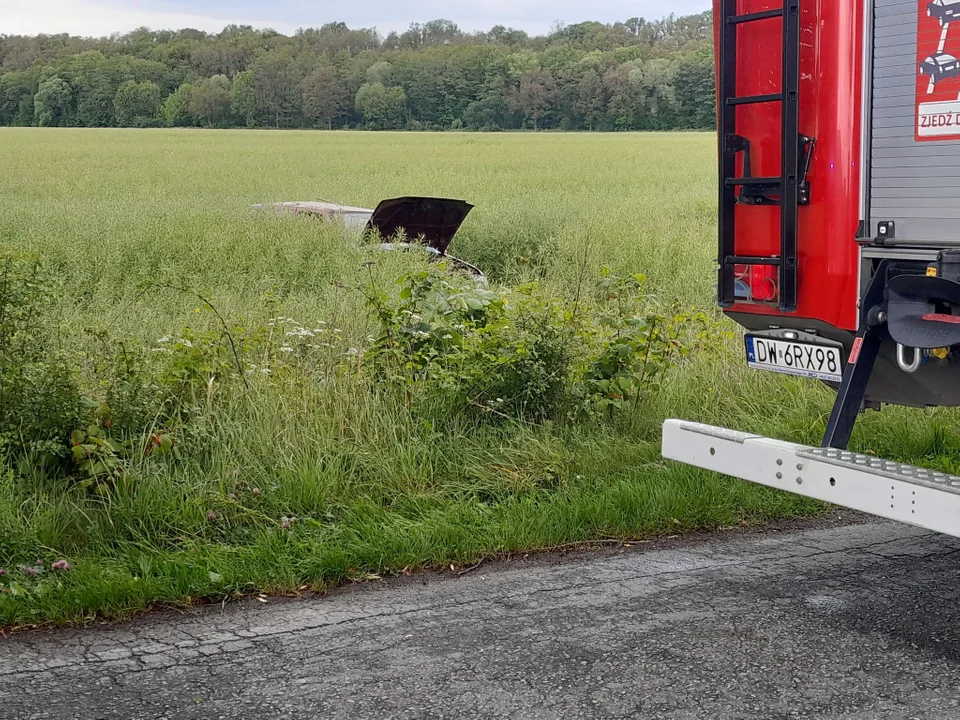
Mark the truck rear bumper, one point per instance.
(865, 483)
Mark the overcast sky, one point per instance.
(103, 17)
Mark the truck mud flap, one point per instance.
(869, 484)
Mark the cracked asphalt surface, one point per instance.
(859, 621)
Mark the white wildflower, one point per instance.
(299, 332)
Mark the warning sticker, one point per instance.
(938, 70)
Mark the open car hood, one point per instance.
(436, 220)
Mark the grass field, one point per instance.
(374, 488)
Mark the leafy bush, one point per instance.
(457, 348)
(40, 399)
(125, 406)
(429, 333)
(633, 341)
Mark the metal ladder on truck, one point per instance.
(790, 190)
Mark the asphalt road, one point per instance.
(860, 621)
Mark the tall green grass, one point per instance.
(374, 489)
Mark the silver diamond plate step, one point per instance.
(883, 468)
(719, 433)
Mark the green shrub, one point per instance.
(129, 403)
(40, 398)
(461, 350)
(633, 340)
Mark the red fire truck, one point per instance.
(839, 233)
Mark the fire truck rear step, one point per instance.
(865, 483)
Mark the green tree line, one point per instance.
(634, 75)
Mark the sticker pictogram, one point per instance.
(938, 70)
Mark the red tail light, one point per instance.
(757, 283)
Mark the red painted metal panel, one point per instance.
(831, 90)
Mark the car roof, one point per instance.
(322, 207)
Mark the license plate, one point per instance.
(821, 362)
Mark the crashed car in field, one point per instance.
(427, 221)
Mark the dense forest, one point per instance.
(635, 75)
